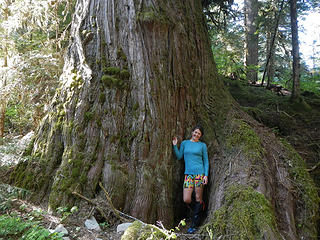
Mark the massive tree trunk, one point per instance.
(136, 74)
(251, 39)
(295, 51)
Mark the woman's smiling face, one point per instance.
(196, 135)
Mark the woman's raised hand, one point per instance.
(174, 140)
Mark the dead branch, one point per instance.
(279, 111)
(314, 167)
(114, 210)
(92, 202)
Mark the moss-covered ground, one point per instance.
(297, 122)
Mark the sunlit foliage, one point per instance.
(34, 35)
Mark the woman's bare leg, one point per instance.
(187, 193)
(199, 193)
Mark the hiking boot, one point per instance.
(198, 209)
(191, 230)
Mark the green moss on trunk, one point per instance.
(30, 174)
(247, 214)
(242, 135)
(305, 190)
(72, 176)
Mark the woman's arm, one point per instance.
(177, 152)
(205, 162)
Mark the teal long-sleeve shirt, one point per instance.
(195, 156)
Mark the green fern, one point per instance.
(15, 227)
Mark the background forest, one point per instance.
(34, 36)
(255, 47)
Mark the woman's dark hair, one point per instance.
(200, 128)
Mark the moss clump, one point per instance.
(140, 231)
(114, 157)
(124, 74)
(305, 189)
(75, 172)
(246, 214)
(102, 97)
(59, 116)
(99, 123)
(147, 16)
(114, 81)
(115, 77)
(112, 70)
(108, 80)
(77, 81)
(103, 60)
(68, 127)
(151, 15)
(135, 106)
(114, 138)
(121, 55)
(132, 233)
(241, 134)
(88, 116)
(121, 84)
(134, 134)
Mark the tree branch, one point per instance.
(114, 210)
(92, 202)
(314, 167)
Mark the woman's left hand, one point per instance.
(205, 180)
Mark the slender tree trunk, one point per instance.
(271, 38)
(295, 51)
(136, 74)
(2, 119)
(251, 39)
(270, 67)
(3, 104)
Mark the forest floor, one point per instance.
(298, 123)
(23, 219)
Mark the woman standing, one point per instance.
(196, 171)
